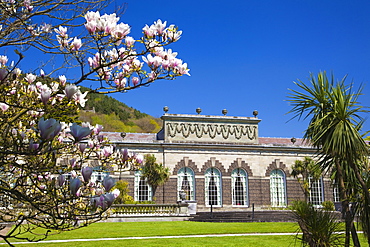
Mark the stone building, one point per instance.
(221, 161)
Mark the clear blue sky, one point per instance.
(244, 55)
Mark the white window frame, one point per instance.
(278, 188)
(241, 175)
(215, 175)
(186, 174)
(336, 193)
(316, 195)
(138, 183)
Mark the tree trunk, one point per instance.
(366, 192)
(345, 205)
(356, 241)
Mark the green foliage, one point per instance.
(304, 170)
(123, 197)
(116, 116)
(328, 206)
(155, 174)
(335, 121)
(139, 114)
(107, 105)
(319, 227)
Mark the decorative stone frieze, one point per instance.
(213, 129)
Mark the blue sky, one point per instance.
(244, 55)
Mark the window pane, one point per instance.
(239, 187)
(143, 191)
(277, 188)
(185, 182)
(213, 187)
(315, 197)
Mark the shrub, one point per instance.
(319, 227)
(328, 206)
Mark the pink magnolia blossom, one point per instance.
(97, 129)
(45, 96)
(76, 44)
(3, 74)
(108, 183)
(73, 162)
(42, 73)
(62, 80)
(62, 32)
(49, 128)
(3, 59)
(152, 76)
(108, 200)
(27, 4)
(17, 72)
(91, 26)
(79, 133)
(124, 153)
(139, 158)
(75, 184)
(183, 69)
(129, 41)
(172, 34)
(121, 31)
(116, 193)
(120, 82)
(70, 90)
(80, 98)
(90, 143)
(107, 151)
(159, 26)
(64, 42)
(61, 180)
(30, 78)
(33, 146)
(149, 32)
(86, 173)
(4, 106)
(46, 28)
(92, 16)
(82, 147)
(135, 80)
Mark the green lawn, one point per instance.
(177, 228)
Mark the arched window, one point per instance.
(213, 187)
(239, 185)
(143, 191)
(185, 182)
(277, 188)
(316, 194)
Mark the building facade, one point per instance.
(220, 161)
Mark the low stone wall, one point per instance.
(149, 210)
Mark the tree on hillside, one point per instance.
(306, 170)
(154, 173)
(334, 129)
(46, 160)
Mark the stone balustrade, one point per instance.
(152, 210)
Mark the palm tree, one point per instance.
(304, 170)
(155, 174)
(334, 124)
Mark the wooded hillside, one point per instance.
(116, 116)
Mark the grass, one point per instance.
(178, 228)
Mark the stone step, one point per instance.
(260, 216)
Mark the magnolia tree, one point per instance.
(45, 156)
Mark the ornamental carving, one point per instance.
(203, 130)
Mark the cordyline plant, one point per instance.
(46, 158)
